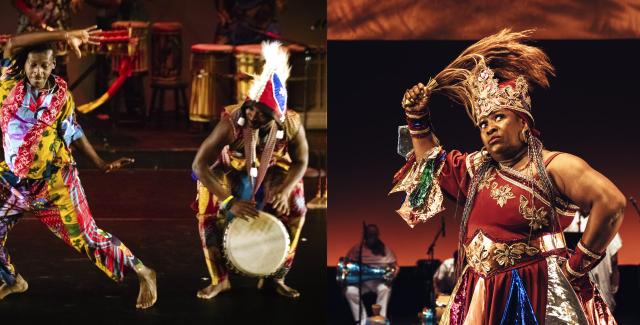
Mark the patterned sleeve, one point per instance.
(424, 180)
(6, 84)
(70, 130)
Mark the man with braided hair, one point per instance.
(514, 266)
(258, 147)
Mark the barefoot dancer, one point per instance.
(39, 175)
(265, 117)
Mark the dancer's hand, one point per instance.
(415, 98)
(117, 164)
(245, 210)
(280, 202)
(77, 37)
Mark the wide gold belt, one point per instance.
(486, 256)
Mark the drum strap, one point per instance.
(250, 141)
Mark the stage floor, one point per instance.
(149, 211)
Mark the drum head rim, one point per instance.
(233, 267)
(253, 49)
(129, 23)
(205, 48)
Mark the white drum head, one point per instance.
(257, 247)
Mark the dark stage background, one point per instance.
(591, 110)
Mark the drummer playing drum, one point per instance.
(259, 154)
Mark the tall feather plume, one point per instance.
(276, 59)
(505, 54)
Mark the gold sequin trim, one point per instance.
(485, 255)
(537, 217)
(501, 194)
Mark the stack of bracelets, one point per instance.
(582, 261)
(419, 118)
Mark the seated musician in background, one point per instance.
(264, 129)
(376, 254)
(247, 21)
(444, 280)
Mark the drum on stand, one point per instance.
(211, 80)
(138, 46)
(249, 63)
(166, 52)
(258, 247)
(108, 41)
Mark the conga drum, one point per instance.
(249, 63)
(211, 80)
(166, 51)
(138, 45)
(111, 41)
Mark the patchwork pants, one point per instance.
(59, 202)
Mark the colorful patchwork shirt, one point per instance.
(37, 128)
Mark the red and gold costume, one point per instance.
(511, 238)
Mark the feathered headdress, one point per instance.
(494, 73)
(269, 88)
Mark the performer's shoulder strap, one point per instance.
(551, 157)
(232, 113)
(292, 124)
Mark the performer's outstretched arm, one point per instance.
(74, 38)
(87, 149)
(299, 152)
(596, 195)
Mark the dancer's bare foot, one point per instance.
(285, 290)
(148, 289)
(214, 290)
(20, 286)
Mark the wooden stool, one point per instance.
(180, 100)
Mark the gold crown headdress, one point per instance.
(488, 95)
(473, 78)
